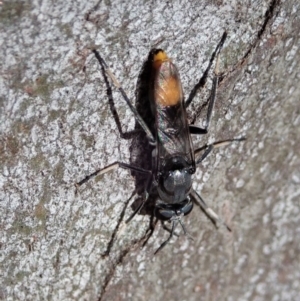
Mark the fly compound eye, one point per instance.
(187, 208)
(164, 214)
(167, 212)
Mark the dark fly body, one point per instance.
(173, 156)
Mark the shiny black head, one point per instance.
(173, 214)
(170, 212)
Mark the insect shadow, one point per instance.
(140, 149)
(162, 156)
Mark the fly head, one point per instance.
(171, 212)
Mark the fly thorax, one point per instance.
(174, 186)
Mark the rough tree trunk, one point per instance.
(57, 126)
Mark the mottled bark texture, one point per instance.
(58, 124)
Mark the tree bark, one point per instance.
(61, 121)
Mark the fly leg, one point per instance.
(172, 232)
(144, 198)
(210, 213)
(198, 130)
(125, 166)
(150, 231)
(202, 80)
(174, 224)
(210, 147)
(184, 230)
(126, 98)
(118, 229)
(112, 167)
(167, 229)
(106, 169)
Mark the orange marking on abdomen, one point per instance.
(169, 93)
(159, 58)
(167, 87)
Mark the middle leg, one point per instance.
(196, 129)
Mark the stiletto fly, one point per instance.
(173, 156)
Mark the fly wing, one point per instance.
(173, 136)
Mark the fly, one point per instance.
(173, 156)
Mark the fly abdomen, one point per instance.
(167, 85)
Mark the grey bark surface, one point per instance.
(56, 127)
